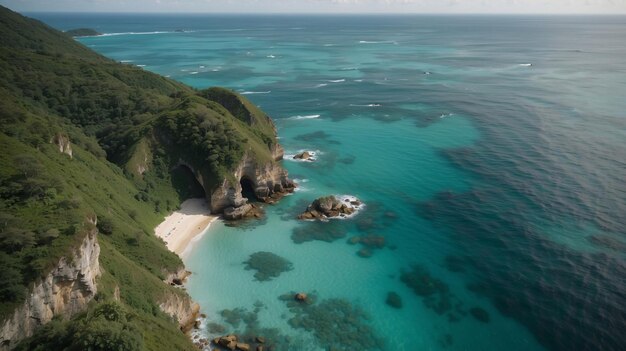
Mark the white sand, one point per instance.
(179, 228)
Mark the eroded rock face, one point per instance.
(270, 183)
(177, 278)
(182, 309)
(63, 143)
(241, 212)
(65, 291)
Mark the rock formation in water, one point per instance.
(304, 155)
(329, 207)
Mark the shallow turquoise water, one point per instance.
(487, 150)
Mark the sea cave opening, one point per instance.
(247, 189)
(186, 184)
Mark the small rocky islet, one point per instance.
(330, 207)
(305, 156)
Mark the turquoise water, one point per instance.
(489, 153)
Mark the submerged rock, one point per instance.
(267, 265)
(321, 231)
(365, 253)
(435, 293)
(480, 314)
(373, 241)
(301, 296)
(335, 323)
(394, 300)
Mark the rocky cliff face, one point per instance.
(63, 143)
(269, 183)
(65, 291)
(182, 309)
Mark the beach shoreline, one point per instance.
(181, 227)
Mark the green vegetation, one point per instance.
(82, 32)
(128, 129)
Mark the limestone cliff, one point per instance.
(182, 309)
(63, 143)
(269, 182)
(65, 291)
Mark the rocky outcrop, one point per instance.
(304, 155)
(177, 278)
(65, 291)
(231, 342)
(63, 143)
(329, 207)
(243, 212)
(269, 182)
(182, 309)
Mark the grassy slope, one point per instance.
(114, 115)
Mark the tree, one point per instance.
(28, 165)
(105, 226)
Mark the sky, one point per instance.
(324, 6)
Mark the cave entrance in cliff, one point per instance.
(247, 189)
(186, 184)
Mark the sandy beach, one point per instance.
(179, 228)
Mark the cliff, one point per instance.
(182, 309)
(224, 142)
(268, 182)
(133, 136)
(65, 291)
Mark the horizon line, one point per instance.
(335, 13)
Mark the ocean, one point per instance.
(489, 153)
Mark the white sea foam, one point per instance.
(126, 61)
(194, 72)
(141, 65)
(138, 33)
(313, 156)
(358, 80)
(304, 117)
(445, 115)
(270, 56)
(201, 66)
(368, 105)
(330, 44)
(336, 80)
(352, 202)
(300, 187)
(378, 42)
(349, 69)
(254, 92)
(525, 64)
(320, 85)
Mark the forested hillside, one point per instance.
(84, 137)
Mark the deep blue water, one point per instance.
(490, 153)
